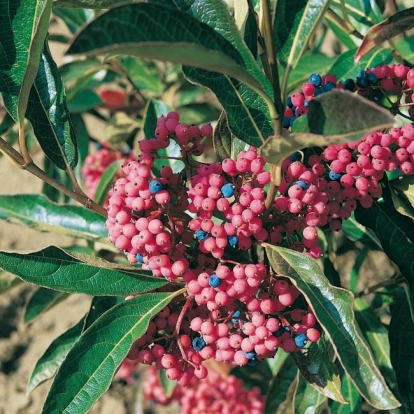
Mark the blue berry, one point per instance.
(155, 186)
(329, 86)
(296, 156)
(305, 102)
(227, 190)
(334, 176)
(303, 184)
(371, 77)
(319, 91)
(198, 343)
(300, 340)
(139, 258)
(289, 102)
(362, 82)
(349, 85)
(235, 318)
(250, 355)
(292, 120)
(252, 362)
(315, 79)
(286, 122)
(201, 235)
(214, 280)
(233, 240)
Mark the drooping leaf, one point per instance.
(47, 365)
(395, 231)
(295, 22)
(8, 281)
(333, 307)
(91, 363)
(386, 30)
(36, 211)
(319, 371)
(307, 399)
(260, 376)
(41, 301)
(56, 269)
(401, 335)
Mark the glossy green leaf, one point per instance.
(355, 271)
(41, 301)
(90, 365)
(401, 335)
(260, 376)
(54, 268)
(319, 371)
(405, 47)
(48, 113)
(340, 32)
(84, 100)
(344, 66)
(352, 396)
(307, 399)
(88, 4)
(23, 27)
(173, 41)
(395, 231)
(386, 30)
(295, 22)
(47, 365)
(73, 18)
(404, 198)
(279, 385)
(106, 181)
(333, 307)
(361, 13)
(36, 211)
(8, 281)
(355, 231)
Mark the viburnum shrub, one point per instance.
(212, 225)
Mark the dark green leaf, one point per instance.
(73, 18)
(99, 305)
(319, 371)
(260, 376)
(106, 181)
(401, 334)
(41, 301)
(307, 399)
(395, 231)
(198, 113)
(54, 268)
(405, 48)
(295, 22)
(120, 128)
(340, 32)
(180, 39)
(386, 30)
(362, 14)
(36, 211)
(355, 231)
(405, 188)
(333, 307)
(6, 123)
(47, 365)
(222, 138)
(8, 281)
(88, 4)
(83, 100)
(90, 365)
(345, 68)
(355, 271)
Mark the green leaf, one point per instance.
(307, 399)
(198, 113)
(361, 13)
(405, 47)
(74, 221)
(6, 123)
(260, 376)
(333, 307)
(222, 138)
(295, 22)
(180, 39)
(48, 113)
(395, 231)
(84, 100)
(106, 181)
(166, 383)
(395, 25)
(319, 371)
(23, 28)
(88, 4)
(47, 365)
(73, 18)
(41, 301)
(401, 335)
(355, 231)
(340, 32)
(404, 199)
(54, 268)
(90, 365)
(344, 66)
(8, 281)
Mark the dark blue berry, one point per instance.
(303, 184)
(334, 176)
(250, 355)
(289, 102)
(198, 343)
(155, 186)
(233, 240)
(252, 362)
(296, 156)
(362, 82)
(227, 190)
(371, 77)
(318, 91)
(201, 235)
(139, 258)
(377, 95)
(305, 102)
(214, 280)
(315, 79)
(98, 146)
(292, 120)
(349, 85)
(235, 317)
(300, 340)
(329, 86)
(286, 122)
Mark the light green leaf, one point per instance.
(308, 400)
(90, 365)
(404, 198)
(70, 272)
(106, 181)
(332, 307)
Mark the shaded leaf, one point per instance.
(84, 100)
(405, 187)
(260, 376)
(41, 301)
(340, 32)
(333, 307)
(99, 305)
(8, 281)
(54, 268)
(319, 371)
(73, 18)
(362, 13)
(395, 231)
(90, 365)
(355, 231)
(401, 335)
(386, 30)
(36, 211)
(405, 47)
(6, 123)
(88, 4)
(307, 399)
(222, 138)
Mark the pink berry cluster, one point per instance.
(214, 395)
(96, 164)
